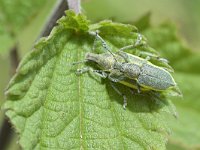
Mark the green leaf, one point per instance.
(144, 22)
(53, 108)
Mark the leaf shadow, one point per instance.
(146, 102)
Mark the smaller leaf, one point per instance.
(144, 22)
(75, 22)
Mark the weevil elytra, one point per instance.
(128, 69)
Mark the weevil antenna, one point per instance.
(105, 46)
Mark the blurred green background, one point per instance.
(21, 23)
(183, 12)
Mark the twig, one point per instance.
(14, 59)
(6, 131)
(75, 5)
(58, 12)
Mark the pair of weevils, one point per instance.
(128, 69)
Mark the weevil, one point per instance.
(125, 66)
(128, 69)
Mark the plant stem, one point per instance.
(57, 13)
(6, 132)
(14, 59)
(75, 5)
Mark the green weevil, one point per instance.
(130, 70)
(118, 68)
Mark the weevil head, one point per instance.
(104, 61)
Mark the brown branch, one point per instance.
(75, 5)
(14, 59)
(6, 132)
(57, 13)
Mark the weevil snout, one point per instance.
(105, 60)
(91, 57)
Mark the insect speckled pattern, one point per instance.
(128, 69)
(147, 75)
(155, 77)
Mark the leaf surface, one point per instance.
(164, 38)
(53, 108)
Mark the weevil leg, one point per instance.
(99, 73)
(124, 55)
(79, 62)
(150, 56)
(140, 53)
(147, 58)
(139, 39)
(94, 44)
(82, 70)
(138, 88)
(137, 43)
(116, 76)
(114, 79)
(104, 44)
(153, 56)
(98, 37)
(120, 93)
(131, 90)
(163, 60)
(126, 58)
(126, 47)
